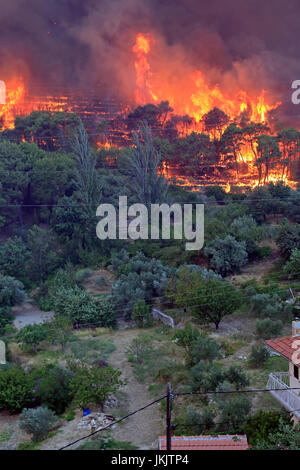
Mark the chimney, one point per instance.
(296, 327)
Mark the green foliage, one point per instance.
(260, 204)
(286, 438)
(59, 330)
(30, 336)
(43, 249)
(11, 291)
(86, 178)
(106, 443)
(263, 424)
(16, 388)
(146, 184)
(226, 255)
(266, 304)
(77, 305)
(54, 388)
(139, 349)
(258, 356)
(144, 279)
(205, 349)
(209, 299)
(6, 319)
(207, 377)
(267, 328)
(292, 268)
(37, 421)
(234, 413)
(83, 274)
(93, 385)
(187, 338)
(14, 259)
(217, 192)
(236, 376)
(288, 238)
(192, 422)
(141, 314)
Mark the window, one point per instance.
(296, 372)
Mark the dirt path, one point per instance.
(143, 428)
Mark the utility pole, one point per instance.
(168, 417)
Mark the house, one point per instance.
(284, 385)
(226, 442)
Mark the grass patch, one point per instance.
(91, 349)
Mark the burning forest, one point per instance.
(217, 112)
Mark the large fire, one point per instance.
(193, 96)
(190, 94)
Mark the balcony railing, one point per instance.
(278, 384)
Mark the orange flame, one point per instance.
(192, 94)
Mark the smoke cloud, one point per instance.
(237, 44)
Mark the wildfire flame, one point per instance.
(198, 97)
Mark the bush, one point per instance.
(263, 423)
(16, 388)
(144, 279)
(205, 349)
(192, 422)
(237, 377)
(11, 291)
(83, 274)
(31, 336)
(6, 318)
(37, 422)
(258, 356)
(14, 258)
(55, 389)
(141, 314)
(234, 414)
(268, 328)
(106, 443)
(292, 268)
(81, 308)
(226, 255)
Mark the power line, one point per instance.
(114, 422)
(174, 395)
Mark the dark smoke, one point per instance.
(81, 43)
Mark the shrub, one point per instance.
(83, 274)
(55, 389)
(234, 414)
(81, 308)
(11, 291)
(37, 422)
(6, 318)
(258, 356)
(192, 422)
(237, 377)
(141, 314)
(16, 388)
(226, 255)
(263, 423)
(205, 349)
(93, 385)
(268, 328)
(144, 279)
(31, 336)
(292, 267)
(100, 281)
(14, 258)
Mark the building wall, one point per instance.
(293, 381)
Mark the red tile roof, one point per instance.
(205, 442)
(284, 345)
